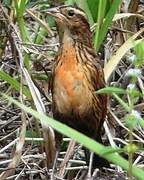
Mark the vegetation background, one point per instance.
(28, 44)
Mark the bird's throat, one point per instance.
(68, 41)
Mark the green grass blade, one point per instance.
(103, 29)
(110, 90)
(101, 13)
(93, 7)
(87, 142)
(125, 105)
(14, 83)
(139, 50)
(22, 7)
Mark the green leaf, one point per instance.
(125, 105)
(41, 77)
(87, 142)
(139, 49)
(22, 7)
(14, 83)
(93, 6)
(110, 90)
(102, 29)
(141, 122)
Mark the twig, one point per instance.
(68, 155)
(121, 124)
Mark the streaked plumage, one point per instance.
(76, 75)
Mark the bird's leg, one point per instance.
(54, 165)
(90, 165)
(58, 139)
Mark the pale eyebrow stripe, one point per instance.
(79, 12)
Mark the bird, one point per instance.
(76, 76)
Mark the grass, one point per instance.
(19, 82)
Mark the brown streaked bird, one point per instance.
(76, 75)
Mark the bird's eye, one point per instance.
(71, 13)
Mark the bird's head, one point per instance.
(69, 16)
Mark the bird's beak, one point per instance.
(55, 12)
(52, 11)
